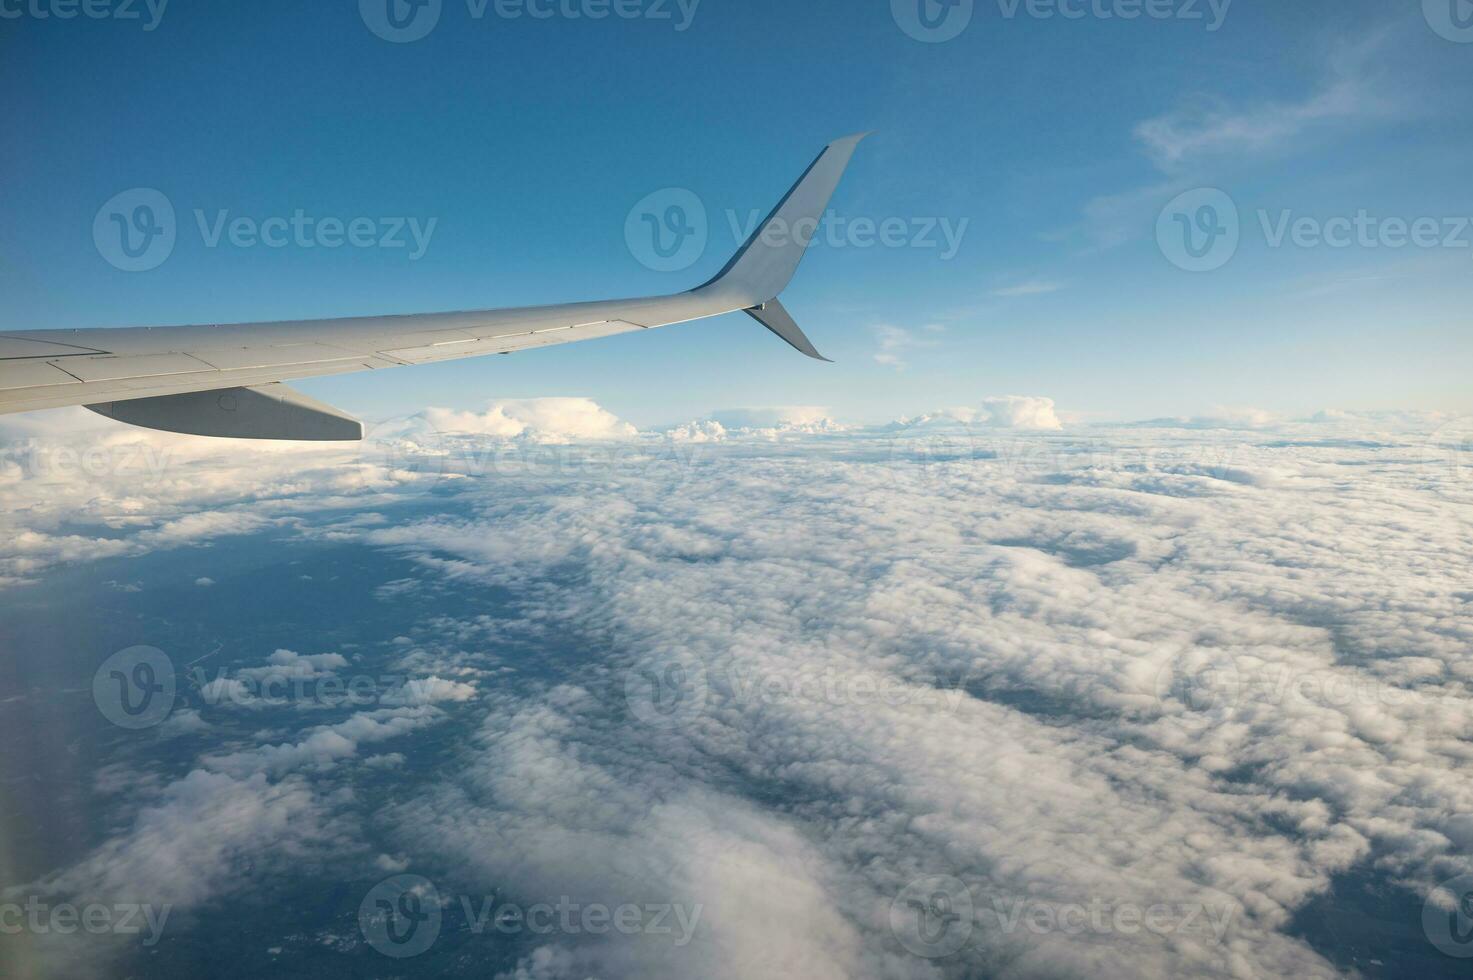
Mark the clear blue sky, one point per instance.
(1059, 141)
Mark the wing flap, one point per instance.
(271, 411)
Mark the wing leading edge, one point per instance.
(154, 376)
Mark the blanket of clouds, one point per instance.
(975, 694)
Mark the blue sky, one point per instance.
(1055, 143)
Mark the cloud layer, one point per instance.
(1079, 677)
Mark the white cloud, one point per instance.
(1051, 592)
(1020, 412)
(1352, 90)
(537, 420)
(1033, 287)
(896, 342)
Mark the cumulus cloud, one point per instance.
(1003, 412)
(538, 420)
(1020, 412)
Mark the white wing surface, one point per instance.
(225, 379)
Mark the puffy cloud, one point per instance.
(1002, 412)
(707, 431)
(326, 745)
(538, 420)
(1210, 668)
(1079, 599)
(1020, 412)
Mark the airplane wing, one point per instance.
(226, 379)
